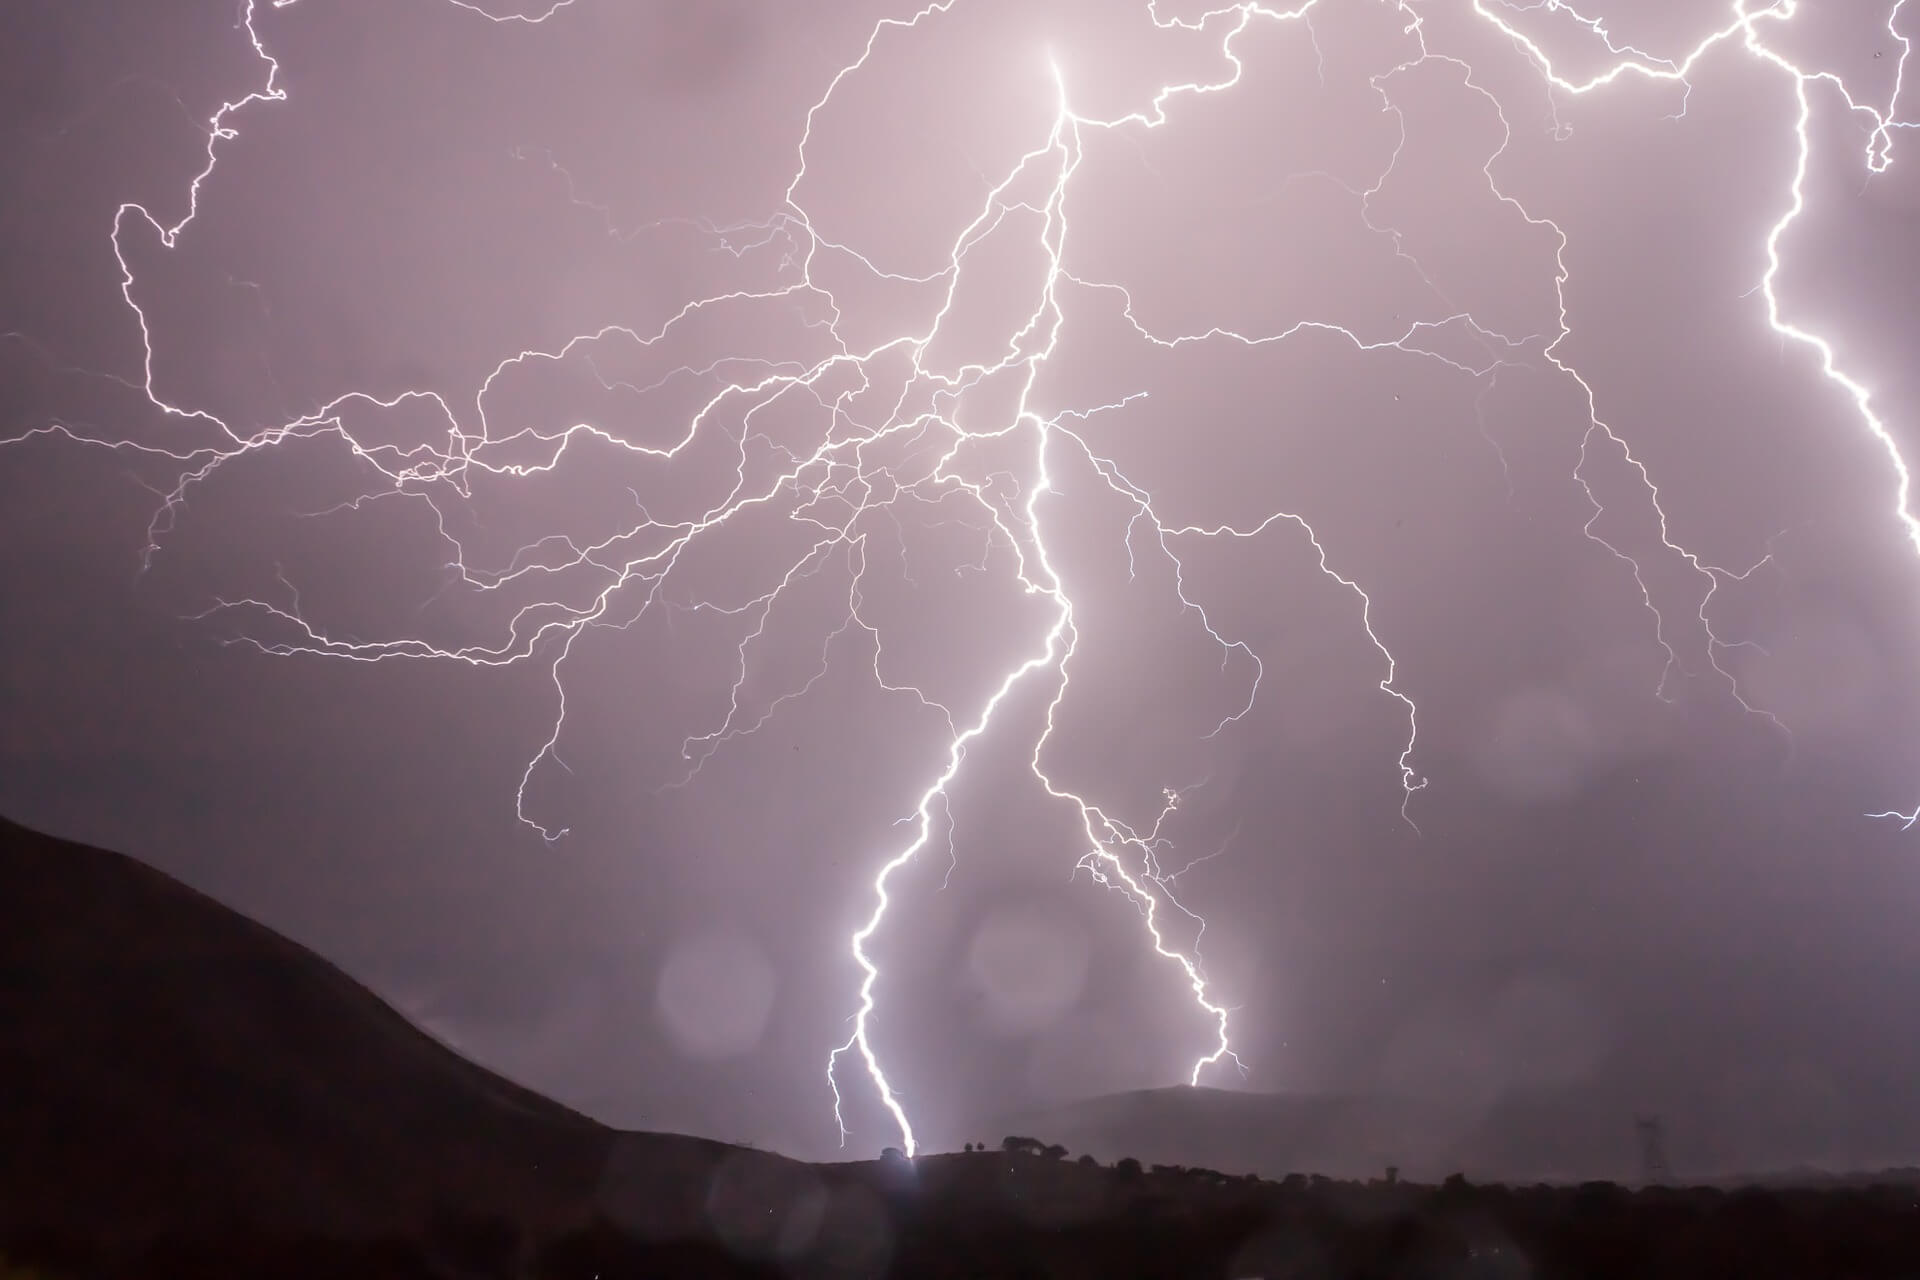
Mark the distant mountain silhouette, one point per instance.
(1562, 1137)
(165, 1062)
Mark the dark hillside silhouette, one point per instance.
(168, 1060)
(186, 1094)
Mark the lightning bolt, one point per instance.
(922, 443)
(1745, 29)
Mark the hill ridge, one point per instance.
(216, 1057)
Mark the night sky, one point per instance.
(1640, 865)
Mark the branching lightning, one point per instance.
(865, 468)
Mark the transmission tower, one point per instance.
(1653, 1150)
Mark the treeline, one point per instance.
(995, 1213)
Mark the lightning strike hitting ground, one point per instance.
(861, 472)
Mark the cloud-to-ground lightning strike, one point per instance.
(861, 470)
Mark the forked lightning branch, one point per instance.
(842, 487)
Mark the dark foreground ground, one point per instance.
(1024, 1215)
(186, 1094)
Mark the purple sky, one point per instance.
(1622, 879)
